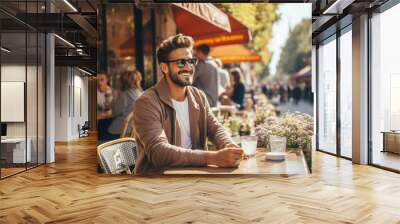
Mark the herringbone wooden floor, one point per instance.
(70, 191)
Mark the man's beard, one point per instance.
(184, 81)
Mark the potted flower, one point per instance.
(262, 113)
(296, 127)
(263, 110)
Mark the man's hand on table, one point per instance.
(226, 157)
(233, 145)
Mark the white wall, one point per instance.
(71, 94)
(16, 73)
(80, 112)
(12, 73)
(34, 124)
(61, 103)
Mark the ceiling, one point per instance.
(72, 20)
(76, 21)
(329, 14)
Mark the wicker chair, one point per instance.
(125, 132)
(117, 156)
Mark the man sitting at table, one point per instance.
(173, 121)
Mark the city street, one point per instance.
(302, 106)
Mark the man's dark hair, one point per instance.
(204, 48)
(172, 43)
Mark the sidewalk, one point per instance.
(302, 106)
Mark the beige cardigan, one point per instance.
(158, 135)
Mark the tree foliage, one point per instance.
(259, 18)
(296, 53)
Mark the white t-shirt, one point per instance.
(182, 115)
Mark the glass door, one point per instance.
(22, 77)
(14, 153)
(327, 96)
(346, 93)
(385, 89)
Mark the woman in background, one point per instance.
(235, 92)
(123, 105)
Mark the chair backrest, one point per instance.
(86, 125)
(116, 154)
(128, 124)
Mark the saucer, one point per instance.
(275, 155)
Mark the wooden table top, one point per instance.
(257, 165)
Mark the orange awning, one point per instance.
(193, 19)
(239, 34)
(236, 53)
(200, 19)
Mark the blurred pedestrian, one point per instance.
(291, 92)
(223, 76)
(308, 93)
(264, 89)
(282, 93)
(297, 94)
(206, 74)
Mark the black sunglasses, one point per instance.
(182, 62)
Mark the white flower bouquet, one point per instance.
(296, 127)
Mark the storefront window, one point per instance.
(385, 84)
(346, 93)
(130, 65)
(120, 41)
(148, 25)
(327, 96)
